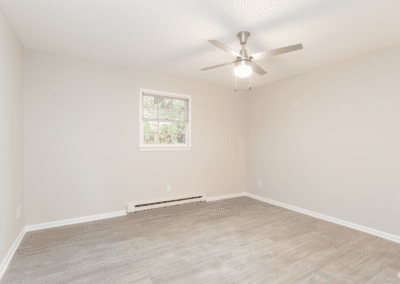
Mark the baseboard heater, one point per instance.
(132, 207)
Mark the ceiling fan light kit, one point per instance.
(243, 69)
(245, 65)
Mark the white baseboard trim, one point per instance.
(48, 225)
(6, 261)
(220, 197)
(29, 228)
(364, 229)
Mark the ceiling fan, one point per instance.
(245, 64)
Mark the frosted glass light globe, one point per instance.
(243, 69)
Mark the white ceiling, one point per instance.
(171, 36)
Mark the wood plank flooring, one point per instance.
(238, 240)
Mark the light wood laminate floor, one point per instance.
(237, 240)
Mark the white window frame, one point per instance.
(153, 147)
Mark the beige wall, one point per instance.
(329, 140)
(81, 138)
(11, 136)
(326, 140)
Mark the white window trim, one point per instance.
(149, 147)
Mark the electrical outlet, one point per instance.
(259, 182)
(168, 188)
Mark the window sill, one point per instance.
(164, 148)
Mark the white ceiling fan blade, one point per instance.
(258, 69)
(224, 48)
(216, 66)
(278, 51)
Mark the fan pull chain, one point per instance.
(250, 82)
(235, 83)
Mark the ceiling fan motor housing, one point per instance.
(243, 62)
(243, 53)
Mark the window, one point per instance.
(165, 121)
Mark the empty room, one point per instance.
(199, 141)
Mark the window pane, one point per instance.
(178, 104)
(164, 103)
(150, 138)
(150, 126)
(149, 101)
(178, 127)
(178, 115)
(149, 112)
(179, 138)
(164, 114)
(165, 133)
